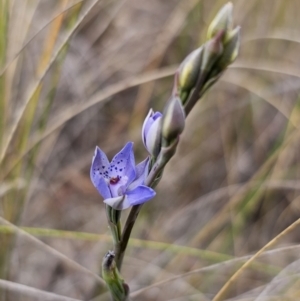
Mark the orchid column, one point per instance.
(121, 183)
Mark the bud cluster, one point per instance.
(199, 71)
(202, 68)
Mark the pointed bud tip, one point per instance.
(189, 70)
(173, 119)
(215, 44)
(231, 48)
(213, 49)
(229, 6)
(222, 21)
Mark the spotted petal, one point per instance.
(99, 171)
(123, 163)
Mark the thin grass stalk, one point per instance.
(34, 86)
(207, 232)
(3, 46)
(171, 29)
(249, 203)
(12, 209)
(99, 97)
(42, 121)
(13, 203)
(30, 112)
(31, 292)
(221, 295)
(4, 19)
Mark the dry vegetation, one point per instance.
(75, 74)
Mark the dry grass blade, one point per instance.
(34, 87)
(286, 282)
(217, 266)
(222, 217)
(52, 251)
(268, 66)
(253, 85)
(97, 98)
(64, 11)
(222, 293)
(34, 293)
(172, 27)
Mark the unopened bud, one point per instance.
(151, 132)
(173, 120)
(118, 289)
(213, 49)
(221, 22)
(189, 70)
(231, 48)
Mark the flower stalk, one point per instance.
(123, 184)
(113, 218)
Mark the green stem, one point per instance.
(113, 218)
(196, 93)
(166, 153)
(120, 248)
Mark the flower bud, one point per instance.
(221, 22)
(173, 120)
(213, 49)
(118, 289)
(189, 70)
(231, 48)
(151, 132)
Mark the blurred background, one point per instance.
(76, 74)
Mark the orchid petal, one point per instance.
(151, 132)
(142, 170)
(123, 164)
(99, 171)
(142, 167)
(101, 186)
(118, 203)
(140, 195)
(121, 183)
(119, 188)
(156, 115)
(146, 125)
(152, 142)
(115, 203)
(100, 163)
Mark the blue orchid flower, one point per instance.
(121, 183)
